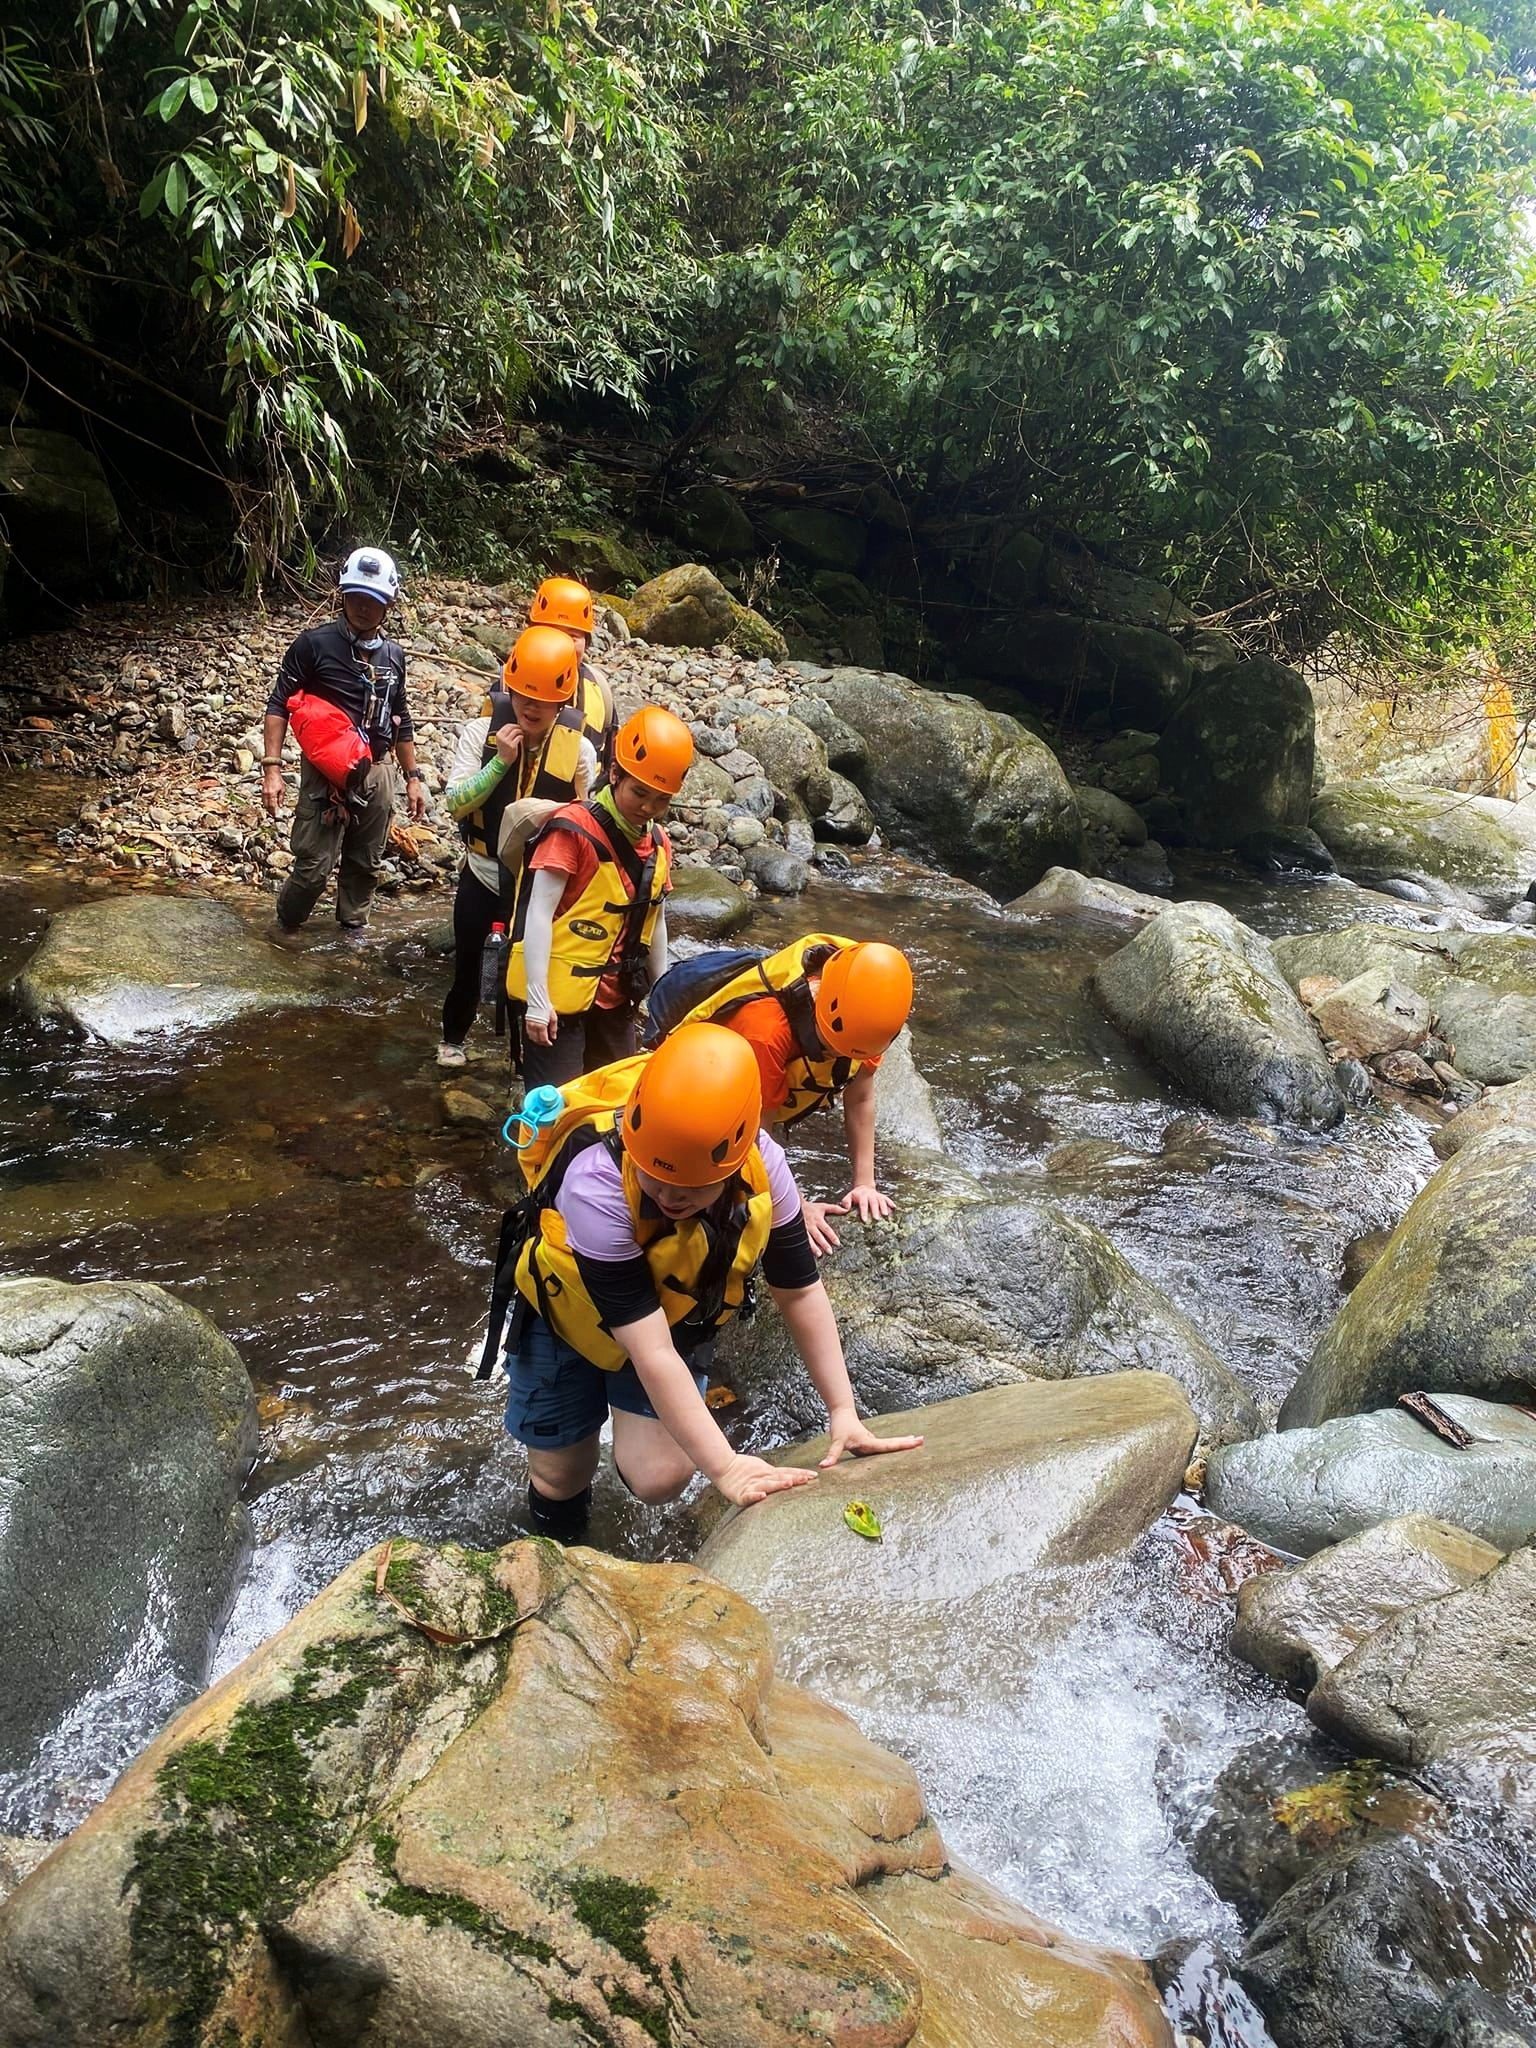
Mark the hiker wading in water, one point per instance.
(653, 1197)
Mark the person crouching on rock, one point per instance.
(818, 1015)
(348, 663)
(589, 934)
(562, 602)
(513, 767)
(653, 1197)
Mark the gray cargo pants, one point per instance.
(319, 840)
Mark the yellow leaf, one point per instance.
(719, 1397)
(359, 100)
(290, 205)
(863, 1521)
(570, 126)
(382, 87)
(351, 228)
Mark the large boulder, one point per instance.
(1512, 1108)
(534, 1797)
(1303, 1489)
(1452, 847)
(600, 560)
(1450, 1305)
(793, 758)
(1364, 1951)
(1008, 1486)
(1297, 1625)
(1202, 995)
(1238, 753)
(123, 966)
(127, 1425)
(751, 634)
(1452, 1681)
(684, 607)
(904, 1109)
(825, 540)
(1481, 985)
(704, 905)
(961, 1291)
(1125, 674)
(711, 523)
(846, 818)
(1083, 582)
(1063, 892)
(968, 785)
(57, 509)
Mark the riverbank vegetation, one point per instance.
(1241, 292)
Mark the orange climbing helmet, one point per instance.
(692, 1116)
(655, 747)
(562, 601)
(864, 998)
(543, 665)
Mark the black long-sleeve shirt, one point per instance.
(367, 684)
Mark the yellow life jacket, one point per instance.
(815, 1077)
(550, 773)
(597, 721)
(611, 921)
(702, 1266)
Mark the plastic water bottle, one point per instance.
(540, 1108)
(493, 964)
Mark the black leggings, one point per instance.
(475, 910)
(590, 1039)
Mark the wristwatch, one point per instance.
(414, 775)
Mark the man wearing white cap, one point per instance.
(350, 664)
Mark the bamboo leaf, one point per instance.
(359, 100)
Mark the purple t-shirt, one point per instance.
(598, 1224)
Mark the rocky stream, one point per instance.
(1187, 1726)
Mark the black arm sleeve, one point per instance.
(622, 1290)
(405, 730)
(292, 675)
(788, 1260)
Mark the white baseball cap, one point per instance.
(373, 572)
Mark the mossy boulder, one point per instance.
(1201, 993)
(1450, 1305)
(684, 607)
(1238, 753)
(956, 780)
(121, 967)
(600, 560)
(60, 518)
(704, 905)
(533, 1796)
(711, 523)
(826, 540)
(1511, 1108)
(1481, 985)
(756, 636)
(127, 1425)
(964, 1291)
(1450, 846)
(793, 758)
(1081, 581)
(1089, 669)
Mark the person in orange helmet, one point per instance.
(562, 602)
(589, 931)
(513, 767)
(654, 1196)
(818, 1015)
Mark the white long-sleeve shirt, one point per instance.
(468, 754)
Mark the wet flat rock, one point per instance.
(125, 966)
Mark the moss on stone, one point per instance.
(1317, 1815)
(246, 1831)
(617, 1912)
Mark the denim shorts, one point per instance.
(556, 1398)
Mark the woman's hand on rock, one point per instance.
(849, 1435)
(746, 1480)
(823, 1237)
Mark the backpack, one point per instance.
(683, 987)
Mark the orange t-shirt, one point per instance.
(573, 855)
(763, 1024)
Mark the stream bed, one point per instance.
(299, 1179)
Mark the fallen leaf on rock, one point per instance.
(863, 1521)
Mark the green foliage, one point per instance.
(358, 223)
(1246, 284)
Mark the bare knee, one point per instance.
(656, 1488)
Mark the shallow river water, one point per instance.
(297, 1179)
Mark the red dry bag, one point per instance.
(328, 737)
